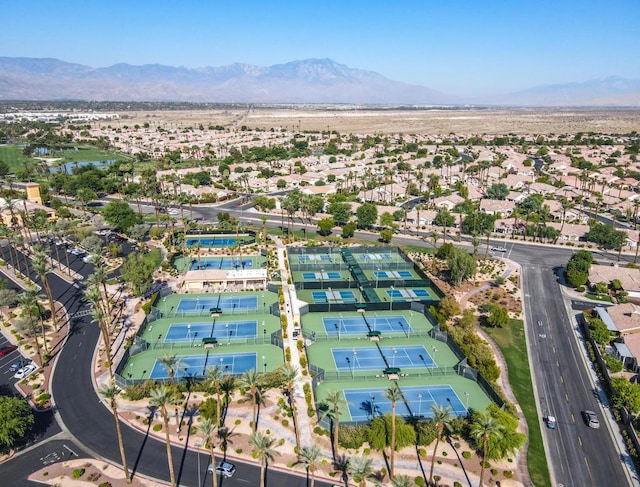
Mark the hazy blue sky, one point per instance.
(461, 47)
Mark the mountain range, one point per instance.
(305, 81)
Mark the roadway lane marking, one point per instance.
(586, 462)
(562, 379)
(573, 418)
(580, 440)
(70, 450)
(566, 397)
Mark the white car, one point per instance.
(25, 371)
(225, 469)
(498, 249)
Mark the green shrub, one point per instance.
(419, 481)
(93, 477)
(466, 455)
(457, 484)
(352, 437)
(157, 427)
(508, 474)
(77, 473)
(105, 484)
(285, 423)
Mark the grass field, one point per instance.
(154, 256)
(512, 343)
(91, 153)
(13, 156)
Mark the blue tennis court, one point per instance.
(392, 274)
(220, 263)
(185, 332)
(334, 296)
(373, 257)
(407, 293)
(369, 358)
(320, 275)
(314, 258)
(212, 241)
(362, 324)
(364, 404)
(225, 303)
(196, 365)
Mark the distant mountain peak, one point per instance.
(314, 80)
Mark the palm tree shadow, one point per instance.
(189, 411)
(152, 413)
(370, 408)
(464, 470)
(413, 421)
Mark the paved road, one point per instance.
(565, 389)
(16, 471)
(91, 424)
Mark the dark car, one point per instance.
(18, 364)
(7, 350)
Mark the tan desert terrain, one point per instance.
(463, 122)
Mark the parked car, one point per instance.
(498, 249)
(591, 419)
(225, 469)
(25, 371)
(6, 350)
(18, 364)
(551, 422)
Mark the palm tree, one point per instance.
(207, 428)
(442, 419)
(402, 481)
(39, 265)
(110, 392)
(28, 301)
(309, 456)
(161, 398)
(251, 382)
(334, 400)
(214, 379)
(361, 469)
(394, 394)
(290, 375)
(263, 448)
(484, 428)
(97, 315)
(172, 363)
(228, 385)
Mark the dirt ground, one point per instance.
(462, 122)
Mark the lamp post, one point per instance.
(341, 321)
(394, 357)
(434, 350)
(264, 366)
(264, 331)
(391, 299)
(410, 317)
(375, 320)
(195, 335)
(321, 278)
(466, 405)
(419, 404)
(329, 299)
(377, 276)
(373, 405)
(350, 366)
(189, 331)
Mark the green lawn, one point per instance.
(511, 340)
(154, 256)
(90, 153)
(13, 156)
